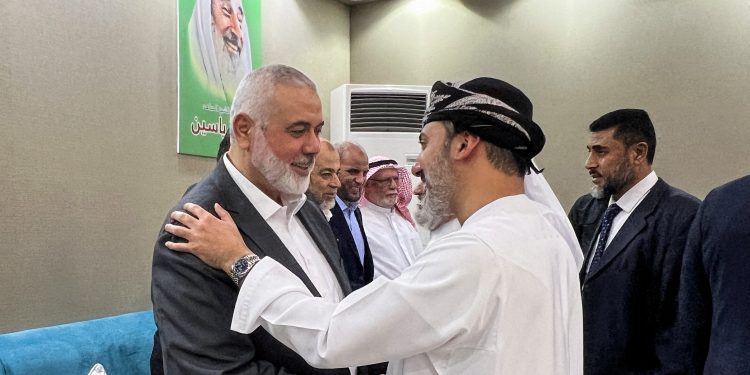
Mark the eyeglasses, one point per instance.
(384, 181)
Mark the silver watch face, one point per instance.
(241, 266)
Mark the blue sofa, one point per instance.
(122, 344)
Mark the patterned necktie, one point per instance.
(605, 226)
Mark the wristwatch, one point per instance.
(242, 266)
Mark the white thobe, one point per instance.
(444, 229)
(394, 242)
(499, 296)
(536, 187)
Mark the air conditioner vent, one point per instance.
(387, 112)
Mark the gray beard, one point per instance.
(434, 207)
(276, 172)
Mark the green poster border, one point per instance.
(196, 105)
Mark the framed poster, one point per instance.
(218, 42)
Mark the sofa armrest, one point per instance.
(122, 344)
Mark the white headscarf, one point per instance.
(537, 189)
(204, 52)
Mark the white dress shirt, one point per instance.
(628, 203)
(290, 231)
(394, 242)
(499, 296)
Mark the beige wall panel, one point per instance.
(312, 36)
(88, 167)
(686, 62)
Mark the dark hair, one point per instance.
(223, 146)
(631, 126)
(502, 159)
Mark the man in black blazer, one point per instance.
(585, 215)
(276, 120)
(714, 298)
(630, 275)
(346, 219)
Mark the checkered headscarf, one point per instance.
(404, 183)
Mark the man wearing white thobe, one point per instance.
(498, 296)
(393, 238)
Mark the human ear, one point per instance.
(242, 126)
(640, 152)
(467, 143)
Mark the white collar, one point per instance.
(345, 205)
(629, 201)
(328, 214)
(263, 203)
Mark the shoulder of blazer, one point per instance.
(671, 198)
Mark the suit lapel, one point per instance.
(634, 225)
(340, 222)
(317, 227)
(256, 232)
(368, 266)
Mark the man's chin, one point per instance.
(597, 192)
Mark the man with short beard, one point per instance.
(346, 217)
(498, 296)
(276, 121)
(324, 180)
(393, 238)
(630, 275)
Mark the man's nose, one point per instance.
(235, 24)
(312, 144)
(335, 182)
(359, 179)
(590, 162)
(416, 169)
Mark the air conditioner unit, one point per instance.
(384, 119)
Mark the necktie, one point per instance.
(351, 219)
(605, 226)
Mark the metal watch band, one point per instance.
(242, 266)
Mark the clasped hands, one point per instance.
(214, 240)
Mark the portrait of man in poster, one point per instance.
(219, 44)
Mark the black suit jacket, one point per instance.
(359, 275)
(193, 303)
(585, 215)
(629, 301)
(714, 300)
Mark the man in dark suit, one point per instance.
(346, 219)
(714, 298)
(585, 215)
(630, 275)
(276, 121)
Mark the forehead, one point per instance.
(433, 131)
(386, 172)
(353, 156)
(327, 158)
(296, 103)
(604, 138)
